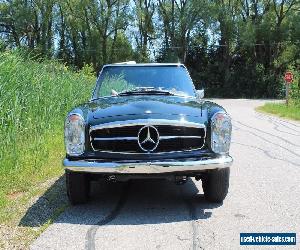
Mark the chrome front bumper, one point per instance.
(147, 167)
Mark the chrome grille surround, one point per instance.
(145, 122)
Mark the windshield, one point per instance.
(115, 80)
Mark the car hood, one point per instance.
(124, 108)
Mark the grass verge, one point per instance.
(280, 109)
(35, 98)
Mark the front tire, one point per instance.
(77, 187)
(215, 184)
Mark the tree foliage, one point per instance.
(232, 47)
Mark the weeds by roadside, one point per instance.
(34, 99)
(280, 109)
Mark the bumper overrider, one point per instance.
(155, 167)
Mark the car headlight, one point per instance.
(220, 133)
(74, 134)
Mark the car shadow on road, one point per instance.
(132, 203)
(48, 206)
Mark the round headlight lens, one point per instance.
(220, 133)
(74, 135)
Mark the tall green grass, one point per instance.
(34, 100)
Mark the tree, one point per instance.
(232, 47)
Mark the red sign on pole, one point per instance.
(288, 77)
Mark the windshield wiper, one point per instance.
(146, 91)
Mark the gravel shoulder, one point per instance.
(40, 208)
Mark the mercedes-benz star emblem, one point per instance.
(148, 138)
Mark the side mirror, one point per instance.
(200, 94)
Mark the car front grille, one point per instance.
(132, 138)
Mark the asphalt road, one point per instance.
(264, 196)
